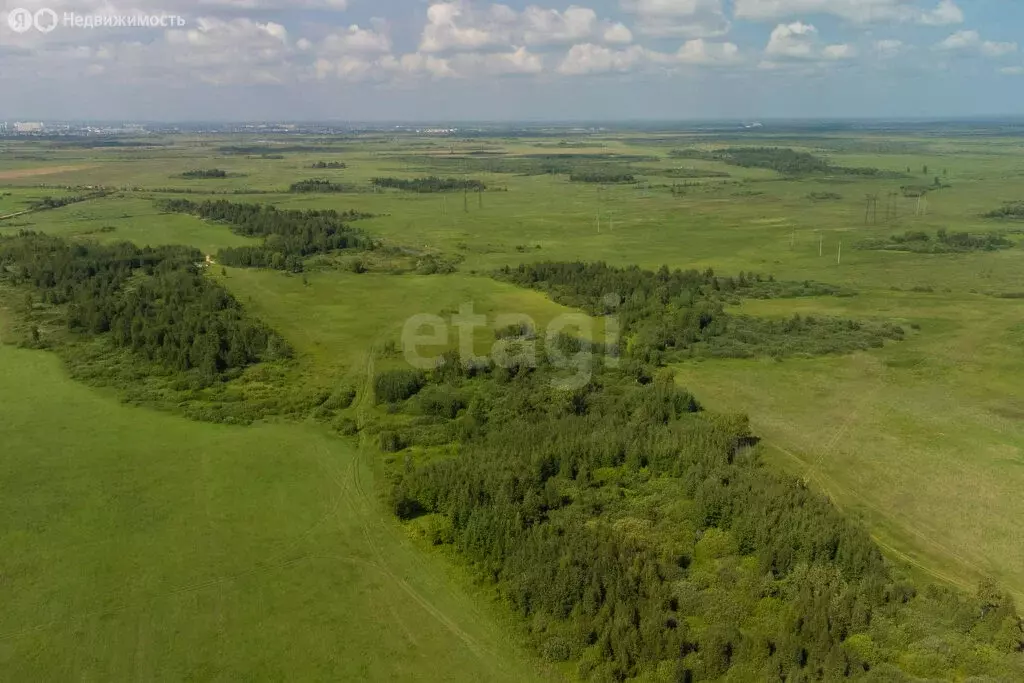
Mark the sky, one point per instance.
(427, 60)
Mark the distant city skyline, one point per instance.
(465, 60)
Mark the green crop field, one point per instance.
(138, 544)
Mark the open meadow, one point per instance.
(130, 536)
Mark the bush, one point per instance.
(392, 441)
(392, 386)
(341, 399)
(345, 426)
(441, 401)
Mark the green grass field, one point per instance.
(142, 546)
(263, 551)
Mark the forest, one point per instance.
(669, 315)
(601, 176)
(318, 185)
(56, 202)
(329, 164)
(429, 184)
(154, 302)
(289, 236)
(204, 174)
(943, 242)
(779, 159)
(638, 535)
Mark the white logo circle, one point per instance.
(45, 20)
(20, 20)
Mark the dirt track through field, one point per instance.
(19, 173)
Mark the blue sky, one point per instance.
(543, 60)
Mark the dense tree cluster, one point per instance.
(57, 202)
(430, 184)
(779, 159)
(682, 172)
(1008, 210)
(290, 236)
(671, 314)
(318, 185)
(601, 176)
(329, 164)
(638, 535)
(204, 174)
(943, 242)
(154, 302)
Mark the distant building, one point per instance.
(27, 127)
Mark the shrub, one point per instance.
(397, 385)
(392, 441)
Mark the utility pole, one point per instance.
(839, 255)
(821, 243)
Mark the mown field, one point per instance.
(923, 440)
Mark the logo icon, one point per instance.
(20, 20)
(45, 20)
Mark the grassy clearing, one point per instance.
(210, 552)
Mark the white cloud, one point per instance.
(971, 42)
(589, 58)
(794, 41)
(519, 61)
(799, 42)
(618, 34)
(961, 40)
(702, 52)
(857, 11)
(689, 18)
(839, 52)
(945, 14)
(356, 40)
(336, 5)
(460, 25)
(220, 51)
(544, 26)
(1012, 71)
(889, 48)
(453, 26)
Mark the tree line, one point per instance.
(779, 159)
(1008, 210)
(204, 174)
(430, 184)
(289, 236)
(668, 315)
(318, 185)
(943, 242)
(601, 176)
(154, 302)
